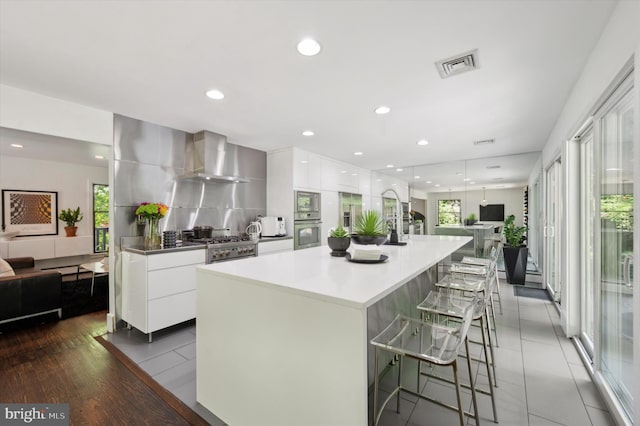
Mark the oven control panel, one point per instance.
(215, 254)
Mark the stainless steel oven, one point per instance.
(306, 234)
(306, 205)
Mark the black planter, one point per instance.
(338, 246)
(368, 239)
(515, 264)
(469, 222)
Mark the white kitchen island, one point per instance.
(284, 339)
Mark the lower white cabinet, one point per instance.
(276, 246)
(159, 290)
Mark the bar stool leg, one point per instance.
(491, 382)
(399, 384)
(495, 325)
(493, 358)
(473, 388)
(498, 286)
(375, 389)
(454, 365)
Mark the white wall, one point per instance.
(510, 197)
(72, 182)
(33, 112)
(617, 44)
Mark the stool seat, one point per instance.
(463, 268)
(462, 283)
(449, 304)
(432, 343)
(481, 261)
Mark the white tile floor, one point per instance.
(541, 379)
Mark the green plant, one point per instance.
(339, 232)
(472, 216)
(512, 233)
(370, 223)
(70, 216)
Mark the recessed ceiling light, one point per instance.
(472, 183)
(467, 179)
(423, 142)
(383, 110)
(416, 177)
(393, 184)
(309, 47)
(399, 170)
(613, 169)
(16, 145)
(99, 157)
(308, 133)
(428, 181)
(304, 161)
(343, 171)
(389, 166)
(437, 184)
(215, 94)
(459, 173)
(358, 153)
(354, 174)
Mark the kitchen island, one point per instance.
(284, 339)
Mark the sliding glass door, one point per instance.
(587, 219)
(553, 209)
(615, 130)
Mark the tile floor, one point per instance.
(541, 379)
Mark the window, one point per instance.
(100, 218)
(449, 212)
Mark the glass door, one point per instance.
(616, 243)
(587, 218)
(552, 229)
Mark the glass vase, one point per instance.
(152, 234)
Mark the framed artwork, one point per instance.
(30, 212)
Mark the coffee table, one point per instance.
(95, 268)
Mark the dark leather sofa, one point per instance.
(30, 292)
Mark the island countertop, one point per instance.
(315, 273)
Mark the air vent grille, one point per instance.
(458, 64)
(485, 142)
(493, 167)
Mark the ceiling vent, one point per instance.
(458, 64)
(485, 142)
(493, 167)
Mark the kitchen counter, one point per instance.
(271, 239)
(292, 329)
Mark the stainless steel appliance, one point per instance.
(350, 209)
(306, 205)
(306, 234)
(226, 248)
(273, 226)
(405, 217)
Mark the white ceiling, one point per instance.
(153, 60)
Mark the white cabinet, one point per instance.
(159, 290)
(339, 176)
(307, 170)
(275, 246)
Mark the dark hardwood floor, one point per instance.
(54, 361)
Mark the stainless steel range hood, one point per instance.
(211, 159)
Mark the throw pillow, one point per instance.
(5, 269)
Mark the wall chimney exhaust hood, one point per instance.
(210, 158)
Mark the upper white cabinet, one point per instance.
(307, 170)
(339, 176)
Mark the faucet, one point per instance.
(399, 229)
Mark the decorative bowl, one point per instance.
(368, 239)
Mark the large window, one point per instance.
(100, 218)
(449, 212)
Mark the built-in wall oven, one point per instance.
(307, 226)
(306, 205)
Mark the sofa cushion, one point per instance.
(5, 269)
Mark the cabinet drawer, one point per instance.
(178, 258)
(171, 310)
(165, 282)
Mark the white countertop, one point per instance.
(315, 273)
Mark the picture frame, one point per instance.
(31, 213)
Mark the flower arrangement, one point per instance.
(152, 210)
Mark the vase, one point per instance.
(152, 234)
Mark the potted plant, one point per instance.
(515, 252)
(370, 228)
(471, 219)
(71, 217)
(339, 241)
